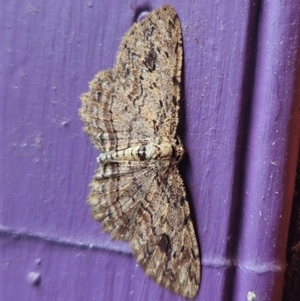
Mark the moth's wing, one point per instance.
(149, 62)
(104, 120)
(117, 191)
(164, 240)
(138, 100)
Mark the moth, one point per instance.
(131, 116)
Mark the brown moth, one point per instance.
(131, 115)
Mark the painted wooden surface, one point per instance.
(239, 128)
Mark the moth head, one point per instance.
(178, 149)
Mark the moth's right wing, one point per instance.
(117, 191)
(164, 240)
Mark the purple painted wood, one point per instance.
(273, 146)
(237, 128)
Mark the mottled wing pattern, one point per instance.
(139, 200)
(150, 61)
(161, 232)
(116, 193)
(138, 100)
(164, 240)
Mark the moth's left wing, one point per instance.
(138, 100)
(149, 64)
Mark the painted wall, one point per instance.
(239, 128)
